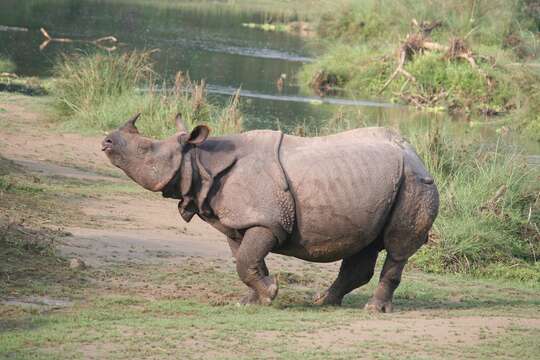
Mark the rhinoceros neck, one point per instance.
(195, 177)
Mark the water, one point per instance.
(210, 43)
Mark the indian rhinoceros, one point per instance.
(322, 199)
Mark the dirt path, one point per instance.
(141, 227)
(126, 228)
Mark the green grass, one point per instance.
(364, 37)
(282, 10)
(6, 65)
(164, 314)
(99, 92)
(474, 232)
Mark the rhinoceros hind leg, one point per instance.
(355, 271)
(255, 245)
(406, 231)
(389, 281)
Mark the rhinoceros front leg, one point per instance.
(256, 244)
(251, 297)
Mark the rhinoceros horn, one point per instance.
(129, 126)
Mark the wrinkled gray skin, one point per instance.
(346, 196)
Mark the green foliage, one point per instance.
(484, 21)
(497, 34)
(476, 231)
(6, 65)
(99, 92)
(84, 82)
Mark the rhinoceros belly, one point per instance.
(343, 190)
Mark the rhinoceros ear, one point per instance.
(180, 126)
(129, 126)
(198, 135)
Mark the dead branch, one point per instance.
(99, 42)
(406, 51)
(13, 28)
(8, 75)
(426, 27)
(420, 42)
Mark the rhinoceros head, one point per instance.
(151, 164)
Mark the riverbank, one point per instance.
(464, 57)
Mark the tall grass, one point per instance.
(485, 22)
(490, 207)
(100, 91)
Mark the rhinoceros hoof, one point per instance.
(251, 298)
(327, 298)
(272, 288)
(378, 306)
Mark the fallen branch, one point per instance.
(8, 75)
(97, 42)
(405, 52)
(426, 27)
(13, 28)
(420, 42)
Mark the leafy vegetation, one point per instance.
(462, 55)
(490, 209)
(6, 65)
(101, 91)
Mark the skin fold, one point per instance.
(340, 197)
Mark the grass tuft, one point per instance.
(101, 91)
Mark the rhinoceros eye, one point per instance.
(143, 148)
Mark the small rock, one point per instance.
(76, 263)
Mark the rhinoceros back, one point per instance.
(344, 187)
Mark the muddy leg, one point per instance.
(355, 271)
(255, 245)
(251, 297)
(389, 281)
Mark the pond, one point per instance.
(209, 42)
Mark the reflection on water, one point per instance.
(208, 42)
